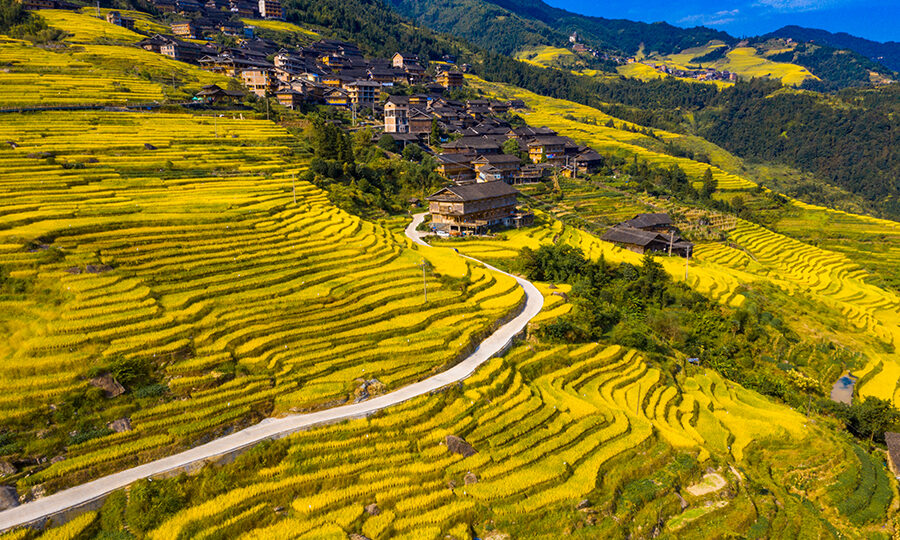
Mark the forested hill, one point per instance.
(509, 25)
(887, 54)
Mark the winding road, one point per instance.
(70, 501)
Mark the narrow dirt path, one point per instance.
(66, 503)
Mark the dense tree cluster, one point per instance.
(837, 68)
(639, 306)
(360, 177)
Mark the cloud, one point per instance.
(788, 6)
(708, 19)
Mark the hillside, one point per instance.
(887, 54)
(510, 25)
(172, 275)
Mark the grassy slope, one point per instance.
(91, 68)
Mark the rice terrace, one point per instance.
(357, 270)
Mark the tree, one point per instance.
(412, 152)
(386, 142)
(709, 184)
(871, 418)
(511, 147)
(434, 138)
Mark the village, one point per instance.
(478, 150)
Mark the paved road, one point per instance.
(275, 428)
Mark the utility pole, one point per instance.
(671, 240)
(424, 283)
(687, 260)
(353, 111)
(98, 9)
(267, 104)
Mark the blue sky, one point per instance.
(872, 19)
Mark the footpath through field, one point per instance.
(70, 500)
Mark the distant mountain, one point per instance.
(510, 25)
(886, 54)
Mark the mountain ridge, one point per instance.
(886, 53)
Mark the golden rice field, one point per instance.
(87, 28)
(840, 302)
(143, 22)
(281, 26)
(854, 311)
(552, 426)
(745, 61)
(546, 56)
(94, 74)
(246, 302)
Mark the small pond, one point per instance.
(842, 391)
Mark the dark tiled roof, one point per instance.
(630, 235)
(472, 142)
(548, 139)
(589, 155)
(399, 100)
(495, 159)
(528, 131)
(474, 192)
(461, 159)
(893, 447)
(642, 221)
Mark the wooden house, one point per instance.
(116, 18)
(456, 167)
(186, 29)
(337, 97)
(396, 115)
(476, 208)
(419, 121)
(472, 145)
(270, 9)
(363, 93)
(892, 440)
(547, 148)
(289, 97)
(499, 166)
(401, 59)
(451, 80)
(641, 241)
(260, 81)
(657, 222)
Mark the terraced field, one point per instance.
(87, 69)
(547, 56)
(242, 300)
(745, 61)
(832, 281)
(87, 27)
(281, 26)
(595, 204)
(552, 426)
(143, 22)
